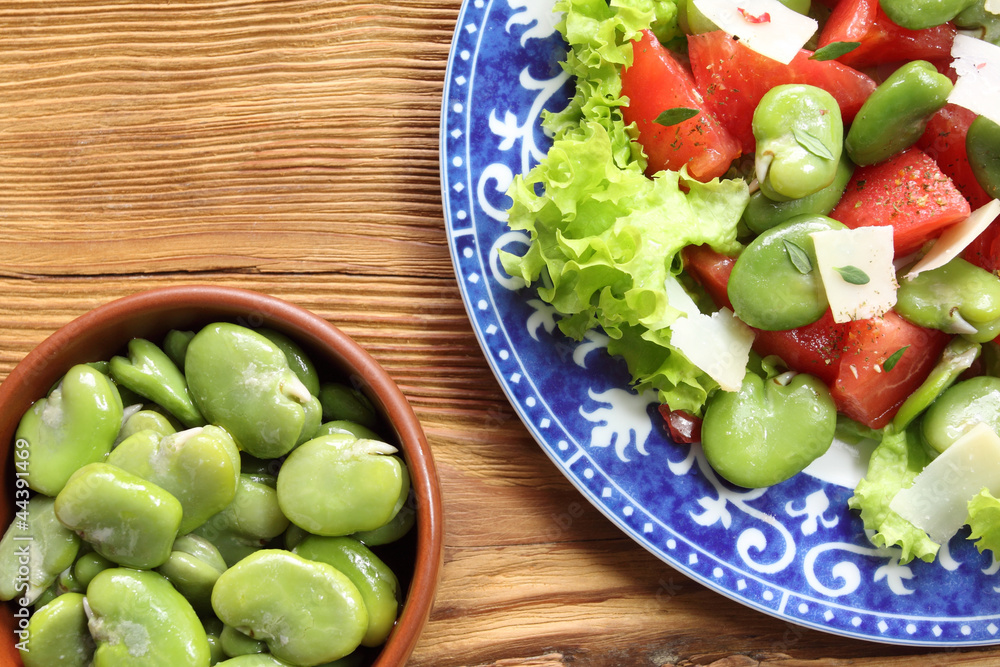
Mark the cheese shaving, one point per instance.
(766, 26)
(956, 238)
(977, 64)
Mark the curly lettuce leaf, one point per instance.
(894, 464)
(599, 34)
(984, 520)
(604, 238)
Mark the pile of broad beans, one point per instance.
(205, 501)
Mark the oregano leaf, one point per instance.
(799, 257)
(812, 143)
(834, 50)
(852, 275)
(894, 358)
(676, 115)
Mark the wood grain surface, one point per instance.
(291, 147)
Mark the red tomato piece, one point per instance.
(863, 389)
(907, 192)
(944, 140)
(847, 357)
(732, 78)
(882, 41)
(655, 82)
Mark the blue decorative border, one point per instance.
(502, 71)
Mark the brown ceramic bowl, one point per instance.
(105, 331)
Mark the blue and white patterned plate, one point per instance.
(792, 550)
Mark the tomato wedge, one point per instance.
(850, 358)
(944, 140)
(732, 78)
(656, 82)
(881, 40)
(908, 192)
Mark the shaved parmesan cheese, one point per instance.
(977, 64)
(718, 344)
(866, 250)
(956, 238)
(992, 6)
(766, 26)
(678, 297)
(937, 501)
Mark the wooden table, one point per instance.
(291, 147)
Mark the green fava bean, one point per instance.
(343, 403)
(774, 284)
(193, 568)
(396, 529)
(235, 643)
(337, 485)
(57, 634)
(126, 518)
(200, 467)
(74, 425)
(958, 298)
(139, 620)
(377, 583)
(767, 432)
(978, 20)
(213, 632)
(297, 359)
(763, 213)
(149, 372)
(895, 115)
(146, 420)
(800, 135)
(958, 357)
(959, 408)
(34, 550)
(88, 566)
(982, 144)
(252, 519)
(306, 611)
(254, 660)
(175, 344)
(921, 14)
(241, 381)
(348, 427)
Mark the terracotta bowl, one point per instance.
(105, 331)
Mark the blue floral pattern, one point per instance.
(793, 550)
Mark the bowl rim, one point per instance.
(48, 361)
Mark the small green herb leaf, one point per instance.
(894, 358)
(812, 143)
(853, 275)
(676, 115)
(799, 257)
(834, 50)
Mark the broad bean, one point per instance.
(58, 636)
(74, 425)
(150, 373)
(959, 408)
(297, 359)
(242, 382)
(958, 357)
(768, 431)
(895, 115)
(982, 144)
(762, 213)
(40, 542)
(260, 596)
(774, 284)
(958, 298)
(343, 403)
(126, 518)
(335, 461)
(921, 14)
(139, 620)
(193, 568)
(800, 134)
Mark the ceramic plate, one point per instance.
(792, 550)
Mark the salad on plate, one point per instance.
(784, 218)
